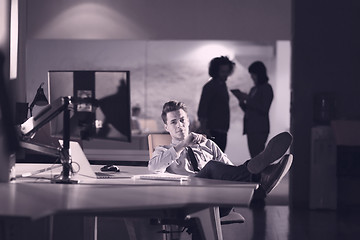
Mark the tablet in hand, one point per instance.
(238, 94)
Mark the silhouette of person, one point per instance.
(135, 124)
(256, 106)
(214, 110)
(115, 108)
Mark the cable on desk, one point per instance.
(72, 168)
(29, 174)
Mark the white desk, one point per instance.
(31, 201)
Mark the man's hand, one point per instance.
(192, 138)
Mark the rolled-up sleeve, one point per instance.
(219, 155)
(162, 158)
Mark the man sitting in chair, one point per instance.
(193, 154)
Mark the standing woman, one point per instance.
(256, 106)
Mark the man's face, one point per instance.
(177, 124)
(224, 72)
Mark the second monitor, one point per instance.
(101, 106)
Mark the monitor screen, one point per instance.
(101, 104)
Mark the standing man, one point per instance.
(214, 110)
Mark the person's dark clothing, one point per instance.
(214, 111)
(220, 138)
(221, 171)
(256, 119)
(214, 106)
(256, 109)
(256, 142)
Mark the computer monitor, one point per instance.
(8, 136)
(100, 100)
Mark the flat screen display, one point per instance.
(100, 106)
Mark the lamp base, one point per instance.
(65, 181)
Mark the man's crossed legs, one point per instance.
(271, 173)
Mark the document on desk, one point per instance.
(162, 176)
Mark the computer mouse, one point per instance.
(110, 168)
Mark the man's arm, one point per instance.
(261, 102)
(218, 155)
(204, 108)
(163, 157)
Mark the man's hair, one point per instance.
(259, 69)
(215, 64)
(170, 107)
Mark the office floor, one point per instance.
(276, 221)
(281, 223)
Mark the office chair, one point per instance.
(155, 140)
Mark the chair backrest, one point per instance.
(157, 139)
(148, 125)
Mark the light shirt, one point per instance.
(166, 159)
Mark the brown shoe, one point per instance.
(274, 150)
(273, 174)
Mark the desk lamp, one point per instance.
(39, 99)
(33, 124)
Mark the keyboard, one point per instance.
(162, 176)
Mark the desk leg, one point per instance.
(210, 223)
(129, 224)
(90, 228)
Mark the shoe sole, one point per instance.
(232, 217)
(278, 145)
(274, 150)
(286, 168)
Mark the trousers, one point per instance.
(256, 144)
(222, 171)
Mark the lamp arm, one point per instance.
(31, 107)
(41, 148)
(33, 124)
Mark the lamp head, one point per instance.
(40, 98)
